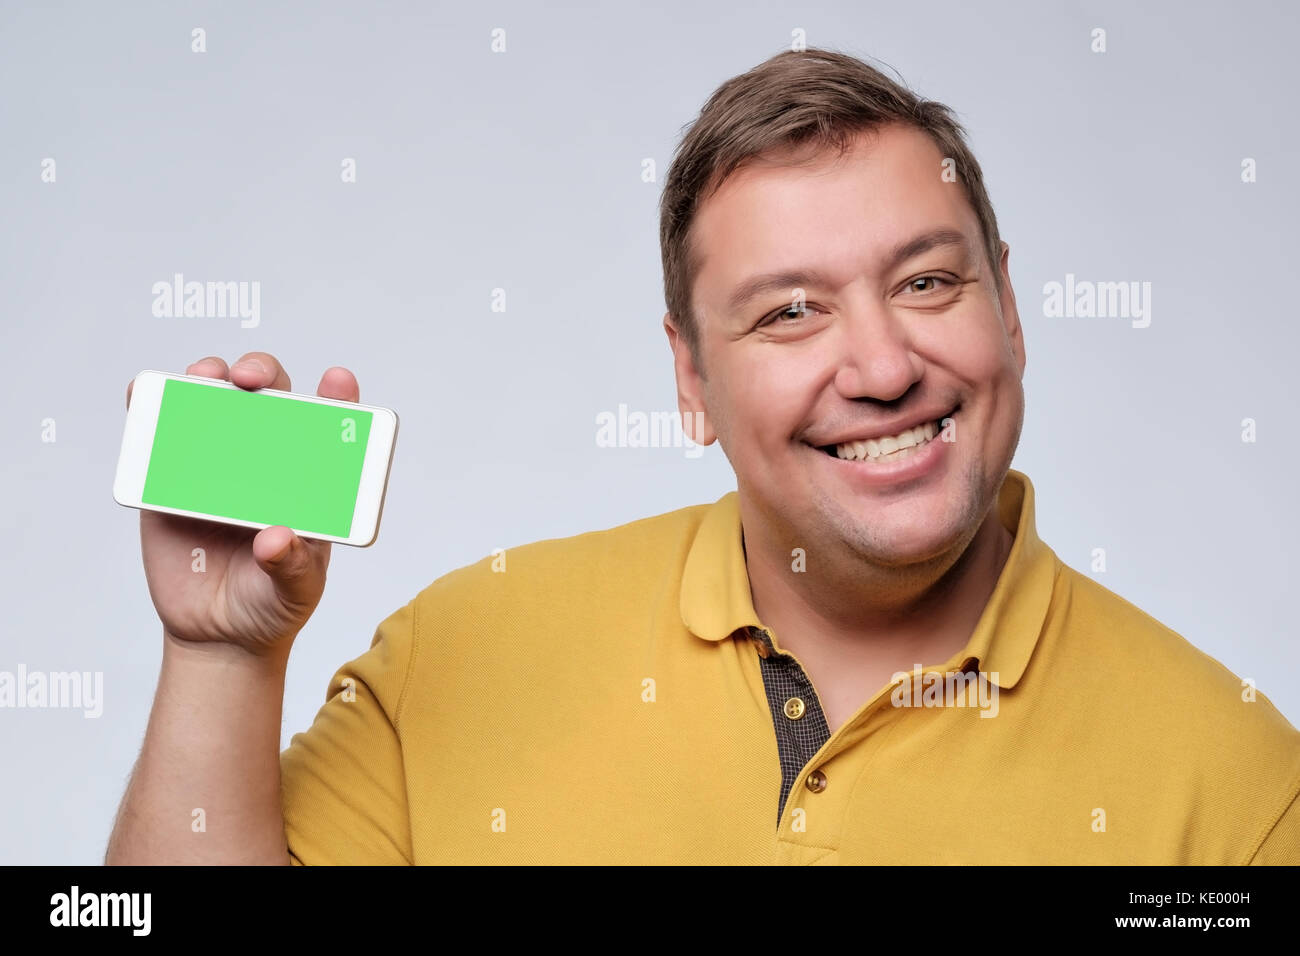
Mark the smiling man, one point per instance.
(864, 654)
(864, 360)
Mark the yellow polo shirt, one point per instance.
(598, 699)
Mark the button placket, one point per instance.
(800, 725)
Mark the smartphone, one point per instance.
(205, 448)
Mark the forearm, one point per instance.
(212, 745)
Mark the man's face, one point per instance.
(855, 339)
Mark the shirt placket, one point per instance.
(797, 716)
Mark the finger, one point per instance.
(260, 370)
(211, 367)
(340, 384)
(290, 563)
(271, 545)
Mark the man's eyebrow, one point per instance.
(789, 280)
(792, 279)
(924, 243)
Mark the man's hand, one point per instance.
(259, 587)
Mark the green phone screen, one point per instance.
(257, 457)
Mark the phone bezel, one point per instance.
(142, 422)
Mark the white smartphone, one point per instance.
(205, 448)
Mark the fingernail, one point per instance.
(251, 365)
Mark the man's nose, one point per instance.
(875, 353)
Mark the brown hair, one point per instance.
(815, 97)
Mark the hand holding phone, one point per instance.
(242, 582)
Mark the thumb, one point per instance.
(293, 564)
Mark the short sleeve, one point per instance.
(343, 790)
(1282, 845)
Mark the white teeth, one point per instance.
(888, 449)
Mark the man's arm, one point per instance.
(206, 788)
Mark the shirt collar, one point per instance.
(716, 600)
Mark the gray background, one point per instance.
(522, 171)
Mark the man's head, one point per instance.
(833, 272)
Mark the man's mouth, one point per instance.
(889, 448)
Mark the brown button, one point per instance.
(816, 781)
(794, 708)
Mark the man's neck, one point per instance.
(853, 624)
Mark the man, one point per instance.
(865, 654)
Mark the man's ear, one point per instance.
(1010, 315)
(690, 391)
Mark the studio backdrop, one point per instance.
(459, 203)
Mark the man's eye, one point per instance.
(912, 286)
(789, 315)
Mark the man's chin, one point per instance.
(899, 547)
(901, 533)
